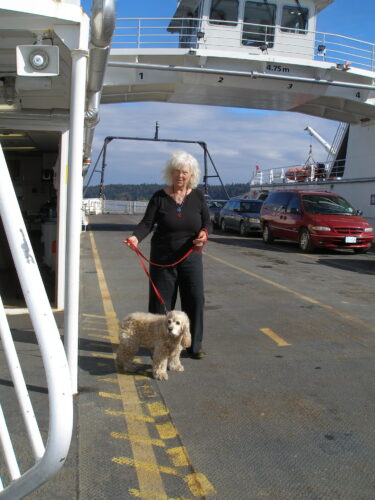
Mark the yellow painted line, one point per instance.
(157, 409)
(143, 418)
(97, 336)
(342, 314)
(179, 456)
(138, 439)
(149, 479)
(167, 431)
(149, 467)
(94, 316)
(89, 329)
(199, 485)
(197, 482)
(110, 395)
(272, 335)
(108, 379)
(149, 495)
(313, 257)
(105, 355)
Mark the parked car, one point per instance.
(241, 215)
(214, 207)
(314, 219)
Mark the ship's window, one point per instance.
(259, 24)
(224, 12)
(294, 19)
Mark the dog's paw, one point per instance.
(176, 368)
(161, 375)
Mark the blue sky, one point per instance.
(237, 139)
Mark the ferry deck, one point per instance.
(280, 408)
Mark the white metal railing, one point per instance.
(49, 458)
(124, 207)
(307, 172)
(155, 33)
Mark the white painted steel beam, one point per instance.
(75, 185)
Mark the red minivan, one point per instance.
(314, 219)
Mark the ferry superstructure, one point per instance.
(58, 65)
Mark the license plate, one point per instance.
(350, 239)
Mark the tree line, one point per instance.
(143, 192)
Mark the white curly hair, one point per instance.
(178, 161)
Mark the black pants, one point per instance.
(187, 278)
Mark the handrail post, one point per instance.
(75, 186)
(48, 337)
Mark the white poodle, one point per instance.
(165, 335)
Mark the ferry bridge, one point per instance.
(281, 408)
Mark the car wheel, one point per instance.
(361, 250)
(305, 241)
(223, 226)
(267, 235)
(242, 229)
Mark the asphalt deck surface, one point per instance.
(282, 407)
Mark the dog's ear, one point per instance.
(186, 336)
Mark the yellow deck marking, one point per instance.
(149, 495)
(129, 400)
(110, 395)
(199, 485)
(138, 439)
(143, 418)
(102, 355)
(272, 335)
(167, 431)
(88, 328)
(94, 316)
(149, 479)
(342, 314)
(149, 467)
(97, 336)
(107, 379)
(179, 456)
(157, 409)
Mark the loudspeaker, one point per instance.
(37, 60)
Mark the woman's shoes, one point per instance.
(198, 355)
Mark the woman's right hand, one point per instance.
(132, 240)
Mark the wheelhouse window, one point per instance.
(224, 12)
(259, 24)
(294, 19)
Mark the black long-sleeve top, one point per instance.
(173, 235)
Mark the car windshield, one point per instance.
(325, 204)
(250, 206)
(217, 204)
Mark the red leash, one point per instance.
(140, 256)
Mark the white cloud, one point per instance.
(237, 140)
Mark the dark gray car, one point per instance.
(241, 215)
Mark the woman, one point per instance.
(181, 216)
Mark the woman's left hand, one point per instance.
(201, 239)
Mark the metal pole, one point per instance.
(75, 184)
(62, 210)
(101, 188)
(205, 170)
